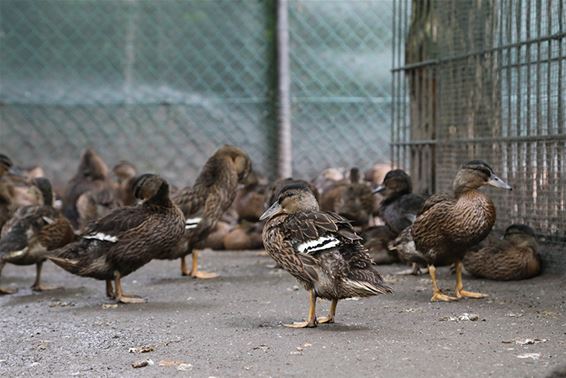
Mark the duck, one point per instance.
(250, 199)
(320, 249)
(356, 202)
(125, 173)
(33, 231)
(92, 174)
(204, 204)
(448, 225)
(126, 239)
(376, 241)
(515, 257)
(278, 186)
(400, 206)
(245, 236)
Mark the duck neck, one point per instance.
(161, 198)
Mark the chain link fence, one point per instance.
(485, 79)
(165, 83)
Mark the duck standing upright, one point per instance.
(448, 226)
(33, 231)
(205, 202)
(320, 249)
(126, 239)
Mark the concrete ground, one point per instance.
(232, 326)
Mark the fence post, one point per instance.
(284, 149)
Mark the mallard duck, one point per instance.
(126, 239)
(33, 231)
(320, 249)
(278, 186)
(376, 241)
(245, 236)
(399, 207)
(92, 174)
(356, 202)
(513, 258)
(125, 173)
(448, 226)
(250, 199)
(205, 202)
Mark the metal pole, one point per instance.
(284, 161)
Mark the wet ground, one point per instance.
(232, 326)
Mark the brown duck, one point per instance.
(92, 175)
(320, 249)
(448, 226)
(356, 202)
(204, 204)
(125, 173)
(513, 258)
(33, 231)
(126, 239)
(7, 191)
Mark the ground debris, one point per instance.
(106, 306)
(184, 367)
(142, 363)
(530, 341)
(294, 288)
(352, 299)
(533, 356)
(460, 318)
(514, 315)
(61, 304)
(263, 347)
(142, 349)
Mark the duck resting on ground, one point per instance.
(204, 204)
(449, 225)
(320, 249)
(33, 231)
(513, 258)
(126, 239)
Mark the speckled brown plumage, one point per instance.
(125, 173)
(92, 175)
(127, 238)
(513, 258)
(448, 226)
(356, 202)
(212, 194)
(95, 203)
(320, 249)
(33, 231)
(7, 192)
(278, 185)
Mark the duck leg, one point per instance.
(311, 322)
(460, 292)
(4, 291)
(437, 294)
(122, 297)
(109, 289)
(331, 313)
(37, 286)
(194, 272)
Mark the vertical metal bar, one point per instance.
(285, 168)
(393, 145)
(536, 168)
(549, 128)
(403, 33)
(560, 152)
(527, 178)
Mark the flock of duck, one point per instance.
(329, 233)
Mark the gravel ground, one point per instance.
(232, 326)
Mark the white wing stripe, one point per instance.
(320, 244)
(102, 237)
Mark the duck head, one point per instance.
(5, 164)
(42, 190)
(475, 174)
(238, 159)
(124, 171)
(521, 235)
(396, 183)
(149, 186)
(293, 198)
(92, 166)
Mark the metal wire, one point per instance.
(496, 69)
(165, 83)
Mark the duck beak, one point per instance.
(379, 189)
(498, 183)
(273, 209)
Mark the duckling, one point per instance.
(245, 236)
(125, 173)
(399, 207)
(250, 200)
(94, 204)
(328, 178)
(448, 226)
(205, 203)
(320, 249)
(376, 241)
(356, 202)
(126, 239)
(92, 174)
(513, 258)
(33, 231)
